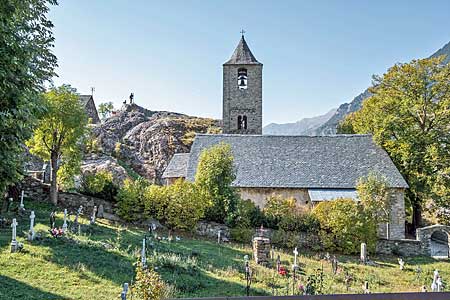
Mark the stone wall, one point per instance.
(423, 235)
(397, 222)
(211, 229)
(399, 247)
(259, 196)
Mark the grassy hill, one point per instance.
(94, 265)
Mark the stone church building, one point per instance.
(308, 169)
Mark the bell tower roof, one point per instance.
(242, 55)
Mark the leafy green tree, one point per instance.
(105, 109)
(129, 198)
(60, 134)
(26, 62)
(409, 116)
(215, 173)
(373, 192)
(344, 225)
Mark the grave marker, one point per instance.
(401, 263)
(14, 236)
(21, 206)
(143, 257)
(123, 295)
(31, 233)
(64, 227)
(94, 213)
(363, 253)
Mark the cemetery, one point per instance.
(89, 255)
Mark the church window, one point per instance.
(239, 122)
(242, 79)
(244, 122)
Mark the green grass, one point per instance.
(96, 263)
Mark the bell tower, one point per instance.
(242, 92)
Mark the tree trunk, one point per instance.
(417, 213)
(53, 179)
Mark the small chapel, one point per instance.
(308, 169)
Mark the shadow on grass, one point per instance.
(14, 289)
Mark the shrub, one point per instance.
(99, 185)
(185, 206)
(130, 197)
(241, 234)
(156, 199)
(247, 215)
(148, 285)
(344, 225)
(277, 208)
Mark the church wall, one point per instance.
(397, 220)
(259, 196)
(242, 102)
(91, 111)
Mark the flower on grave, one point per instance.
(57, 232)
(301, 288)
(282, 271)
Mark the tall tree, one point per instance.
(26, 63)
(409, 116)
(215, 173)
(60, 133)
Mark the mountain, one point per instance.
(329, 126)
(306, 126)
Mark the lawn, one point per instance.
(94, 265)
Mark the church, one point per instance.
(309, 169)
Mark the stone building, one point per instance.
(87, 101)
(242, 92)
(308, 169)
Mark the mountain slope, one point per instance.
(330, 126)
(306, 126)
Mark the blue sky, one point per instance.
(316, 54)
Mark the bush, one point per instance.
(129, 199)
(148, 285)
(99, 185)
(241, 234)
(247, 215)
(179, 205)
(344, 225)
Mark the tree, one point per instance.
(215, 173)
(60, 133)
(26, 62)
(105, 109)
(409, 116)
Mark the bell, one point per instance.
(242, 82)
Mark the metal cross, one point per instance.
(242, 32)
(295, 256)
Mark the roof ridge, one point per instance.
(242, 55)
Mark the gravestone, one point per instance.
(295, 258)
(219, 233)
(31, 232)
(64, 227)
(14, 244)
(101, 211)
(143, 255)
(278, 263)
(401, 263)
(21, 205)
(434, 285)
(52, 220)
(366, 287)
(363, 253)
(334, 265)
(123, 295)
(261, 249)
(94, 213)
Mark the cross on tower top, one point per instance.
(242, 32)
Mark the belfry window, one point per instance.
(244, 122)
(242, 79)
(239, 122)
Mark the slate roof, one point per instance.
(84, 99)
(332, 162)
(242, 55)
(177, 166)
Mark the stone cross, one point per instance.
(123, 295)
(401, 263)
(52, 220)
(363, 253)
(278, 263)
(219, 233)
(434, 285)
(439, 284)
(143, 257)
(366, 287)
(94, 213)
(334, 264)
(101, 211)
(295, 256)
(14, 235)
(22, 206)
(31, 232)
(64, 227)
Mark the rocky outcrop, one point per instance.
(144, 141)
(94, 163)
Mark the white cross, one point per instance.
(21, 201)
(64, 227)
(93, 215)
(218, 236)
(143, 258)
(31, 234)
(295, 256)
(14, 229)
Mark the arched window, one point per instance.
(244, 122)
(242, 79)
(239, 122)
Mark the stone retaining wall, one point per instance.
(402, 247)
(211, 229)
